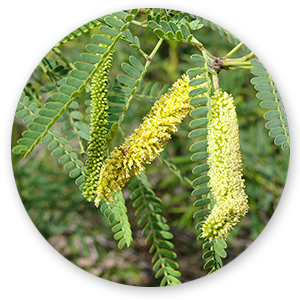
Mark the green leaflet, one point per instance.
(173, 28)
(201, 213)
(200, 180)
(56, 144)
(270, 99)
(214, 254)
(131, 70)
(199, 146)
(116, 214)
(219, 250)
(60, 148)
(148, 208)
(201, 202)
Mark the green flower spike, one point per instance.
(98, 129)
(146, 142)
(226, 182)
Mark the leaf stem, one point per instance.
(237, 47)
(201, 48)
(215, 80)
(208, 84)
(155, 49)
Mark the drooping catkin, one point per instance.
(98, 129)
(146, 142)
(225, 168)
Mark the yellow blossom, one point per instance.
(146, 142)
(225, 162)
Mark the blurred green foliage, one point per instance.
(78, 230)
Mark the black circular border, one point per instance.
(238, 265)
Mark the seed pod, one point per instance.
(225, 162)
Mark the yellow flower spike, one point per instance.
(225, 162)
(146, 142)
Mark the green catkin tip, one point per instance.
(98, 129)
(226, 182)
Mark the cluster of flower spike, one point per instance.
(146, 142)
(226, 182)
(98, 129)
